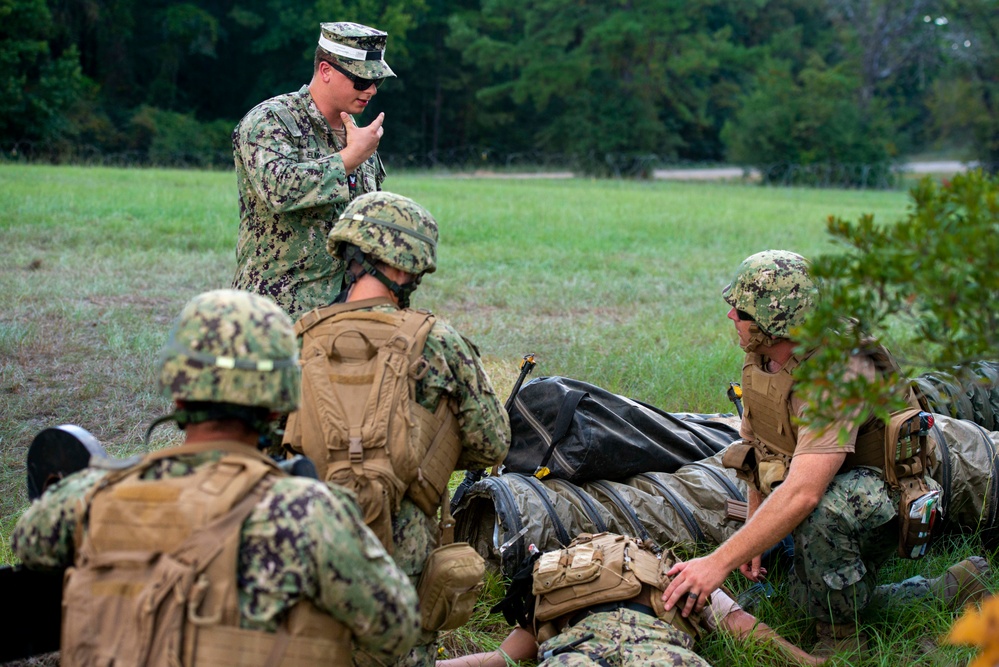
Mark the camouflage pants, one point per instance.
(414, 536)
(840, 546)
(623, 638)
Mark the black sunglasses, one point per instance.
(360, 83)
(743, 315)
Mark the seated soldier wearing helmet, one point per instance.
(208, 553)
(599, 602)
(834, 495)
(394, 399)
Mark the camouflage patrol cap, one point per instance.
(357, 48)
(390, 228)
(229, 346)
(774, 288)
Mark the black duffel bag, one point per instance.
(580, 432)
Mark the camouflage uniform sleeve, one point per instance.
(277, 170)
(43, 536)
(485, 425)
(358, 583)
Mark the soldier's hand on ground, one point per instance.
(362, 142)
(753, 570)
(692, 584)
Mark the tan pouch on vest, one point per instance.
(451, 581)
(591, 571)
(740, 456)
(913, 531)
(905, 463)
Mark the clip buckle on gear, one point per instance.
(734, 394)
(566, 648)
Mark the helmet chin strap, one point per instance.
(402, 293)
(266, 428)
(756, 339)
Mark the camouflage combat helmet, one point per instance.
(773, 287)
(232, 347)
(389, 228)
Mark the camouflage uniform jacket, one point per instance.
(303, 540)
(292, 187)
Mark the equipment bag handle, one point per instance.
(563, 421)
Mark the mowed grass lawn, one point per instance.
(613, 282)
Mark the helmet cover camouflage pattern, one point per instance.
(229, 346)
(357, 48)
(389, 228)
(774, 288)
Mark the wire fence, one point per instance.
(476, 160)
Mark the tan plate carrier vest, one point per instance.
(154, 581)
(600, 568)
(767, 400)
(359, 421)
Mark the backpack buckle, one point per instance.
(355, 451)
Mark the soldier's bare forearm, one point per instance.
(744, 625)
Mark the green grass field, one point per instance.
(613, 282)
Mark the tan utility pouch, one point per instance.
(906, 454)
(594, 569)
(741, 457)
(451, 579)
(914, 531)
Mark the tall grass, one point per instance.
(613, 282)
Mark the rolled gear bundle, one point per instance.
(502, 516)
(971, 394)
(968, 471)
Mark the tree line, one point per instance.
(754, 82)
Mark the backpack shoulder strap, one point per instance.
(416, 325)
(317, 315)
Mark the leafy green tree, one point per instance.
(597, 79)
(928, 283)
(37, 88)
(971, 43)
(809, 118)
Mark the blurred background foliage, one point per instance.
(599, 84)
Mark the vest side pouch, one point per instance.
(449, 586)
(691, 625)
(914, 518)
(434, 471)
(741, 457)
(905, 461)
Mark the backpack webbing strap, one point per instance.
(446, 528)
(317, 315)
(563, 421)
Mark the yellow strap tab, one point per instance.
(542, 472)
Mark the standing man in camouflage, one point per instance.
(299, 159)
(834, 495)
(207, 553)
(394, 441)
